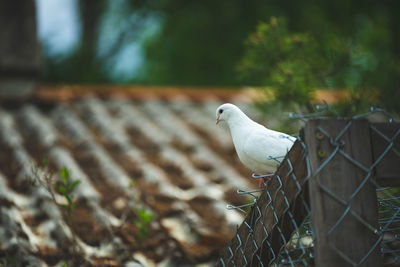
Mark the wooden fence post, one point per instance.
(343, 204)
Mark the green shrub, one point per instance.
(294, 65)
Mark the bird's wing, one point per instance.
(267, 147)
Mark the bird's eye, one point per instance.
(220, 111)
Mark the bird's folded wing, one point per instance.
(265, 147)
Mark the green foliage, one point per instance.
(200, 43)
(294, 65)
(77, 67)
(282, 60)
(142, 223)
(67, 188)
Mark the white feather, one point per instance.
(259, 148)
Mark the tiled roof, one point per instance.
(153, 149)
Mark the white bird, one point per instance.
(259, 148)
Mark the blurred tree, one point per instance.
(86, 56)
(200, 43)
(197, 43)
(294, 65)
(92, 61)
(19, 49)
(82, 65)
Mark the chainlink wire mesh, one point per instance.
(257, 248)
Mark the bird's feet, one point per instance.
(263, 181)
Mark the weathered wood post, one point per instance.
(343, 200)
(19, 48)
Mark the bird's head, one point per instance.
(225, 111)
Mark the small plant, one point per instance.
(67, 188)
(142, 223)
(44, 177)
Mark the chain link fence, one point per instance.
(333, 201)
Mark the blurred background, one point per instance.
(294, 48)
(121, 96)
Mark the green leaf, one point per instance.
(62, 189)
(65, 174)
(147, 218)
(74, 184)
(144, 216)
(68, 198)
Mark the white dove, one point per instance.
(259, 148)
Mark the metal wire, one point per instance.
(297, 248)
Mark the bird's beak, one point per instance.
(217, 121)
